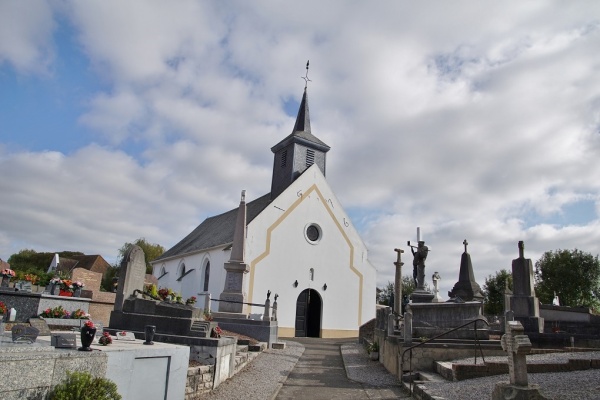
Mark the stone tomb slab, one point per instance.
(41, 326)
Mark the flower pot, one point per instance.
(374, 355)
(149, 331)
(87, 337)
(5, 281)
(77, 292)
(65, 293)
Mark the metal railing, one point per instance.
(410, 349)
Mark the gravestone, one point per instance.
(131, 275)
(517, 345)
(41, 325)
(466, 288)
(91, 279)
(233, 297)
(523, 301)
(24, 334)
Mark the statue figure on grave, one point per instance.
(435, 278)
(420, 255)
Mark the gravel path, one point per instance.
(262, 377)
(578, 385)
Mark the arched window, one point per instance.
(206, 276)
(182, 271)
(162, 270)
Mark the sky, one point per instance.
(475, 120)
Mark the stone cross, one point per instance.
(466, 244)
(517, 345)
(398, 282)
(521, 246)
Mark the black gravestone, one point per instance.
(24, 334)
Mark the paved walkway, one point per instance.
(320, 374)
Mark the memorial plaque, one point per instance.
(234, 281)
(40, 325)
(24, 334)
(64, 340)
(125, 336)
(23, 286)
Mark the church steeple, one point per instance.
(298, 151)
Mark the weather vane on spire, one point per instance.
(306, 80)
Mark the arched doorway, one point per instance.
(308, 314)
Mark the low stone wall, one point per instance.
(199, 382)
(461, 372)
(30, 372)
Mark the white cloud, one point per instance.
(461, 118)
(25, 35)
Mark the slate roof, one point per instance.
(94, 263)
(302, 132)
(215, 231)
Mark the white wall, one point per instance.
(193, 283)
(339, 259)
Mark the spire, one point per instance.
(303, 119)
(298, 151)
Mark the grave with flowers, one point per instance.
(169, 317)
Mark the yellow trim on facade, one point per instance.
(267, 251)
(284, 332)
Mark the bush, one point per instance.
(83, 386)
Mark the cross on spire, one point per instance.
(306, 80)
(466, 244)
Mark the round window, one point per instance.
(313, 233)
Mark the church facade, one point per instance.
(300, 244)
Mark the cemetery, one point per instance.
(184, 351)
(146, 346)
(424, 343)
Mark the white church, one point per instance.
(299, 244)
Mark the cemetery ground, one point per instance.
(314, 368)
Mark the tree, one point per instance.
(30, 261)
(384, 296)
(572, 274)
(493, 292)
(151, 251)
